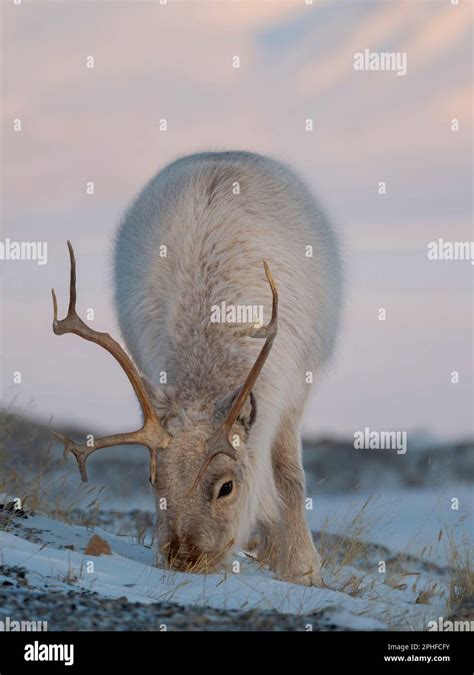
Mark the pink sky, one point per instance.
(175, 62)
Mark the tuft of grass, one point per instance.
(34, 472)
(349, 548)
(461, 585)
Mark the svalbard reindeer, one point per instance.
(222, 413)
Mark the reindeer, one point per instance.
(221, 411)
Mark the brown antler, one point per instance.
(151, 434)
(220, 443)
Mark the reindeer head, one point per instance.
(200, 490)
(198, 468)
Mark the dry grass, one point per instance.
(461, 586)
(38, 476)
(350, 547)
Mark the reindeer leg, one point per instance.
(287, 546)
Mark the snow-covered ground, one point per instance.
(393, 534)
(407, 520)
(359, 592)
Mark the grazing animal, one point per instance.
(213, 239)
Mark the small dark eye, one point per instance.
(226, 489)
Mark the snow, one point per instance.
(377, 600)
(404, 520)
(124, 574)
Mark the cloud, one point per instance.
(441, 31)
(378, 27)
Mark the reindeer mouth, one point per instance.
(184, 558)
(202, 563)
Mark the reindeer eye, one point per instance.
(226, 489)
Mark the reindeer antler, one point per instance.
(151, 434)
(220, 443)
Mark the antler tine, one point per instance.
(269, 332)
(82, 452)
(72, 292)
(72, 281)
(151, 434)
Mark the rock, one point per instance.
(97, 546)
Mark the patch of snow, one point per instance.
(38, 543)
(403, 520)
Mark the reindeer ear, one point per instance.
(247, 415)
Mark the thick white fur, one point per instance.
(216, 241)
